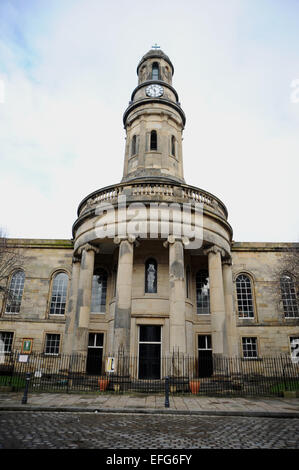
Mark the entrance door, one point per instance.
(205, 358)
(95, 353)
(150, 352)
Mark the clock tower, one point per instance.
(154, 123)
(141, 281)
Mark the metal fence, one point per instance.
(212, 375)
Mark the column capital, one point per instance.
(88, 247)
(172, 239)
(76, 259)
(227, 261)
(214, 249)
(129, 238)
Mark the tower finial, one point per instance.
(156, 46)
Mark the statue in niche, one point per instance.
(151, 278)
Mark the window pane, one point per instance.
(52, 344)
(99, 339)
(249, 347)
(155, 71)
(204, 342)
(154, 142)
(133, 145)
(99, 292)
(202, 292)
(150, 333)
(6, 341)
(289, 298)
(244, 297)
(15, 294)
(59, 293)
(95, 339)
(173, 146)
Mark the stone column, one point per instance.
(122, 316)
(88, 252)
(217, 304)
(230, 344)
(177, 294)
(72, 300)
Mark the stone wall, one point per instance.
(43, 258)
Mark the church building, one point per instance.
(152, 269)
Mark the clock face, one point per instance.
(154, 91)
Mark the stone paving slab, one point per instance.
(279, 407)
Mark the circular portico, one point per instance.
(153, 234)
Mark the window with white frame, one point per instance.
(52, 343)
(288, 295)
(15, 292)
(249, 346)
(6, 338)
(244, 296)
(59, 294)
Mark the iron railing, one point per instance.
(217, 375)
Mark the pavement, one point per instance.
(151, 404)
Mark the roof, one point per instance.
(155, 53)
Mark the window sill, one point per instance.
(56, 318)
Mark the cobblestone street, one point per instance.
(73, 430)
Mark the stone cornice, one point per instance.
(40, 243)
(145, 101)
(263, 246)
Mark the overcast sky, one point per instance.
(67, 71)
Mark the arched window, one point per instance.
(151, 276)
(134, 145)
(59, 294)
(173, 145)
(155, 71)
(99, 291)
(288, 295)
(202, 292)
(244, 296)
(154, 141)
(15, 292)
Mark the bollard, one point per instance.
(25, 396)
(166, 392)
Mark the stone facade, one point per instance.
(118, 282)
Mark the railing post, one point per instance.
(167, 392)
(25, 396)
